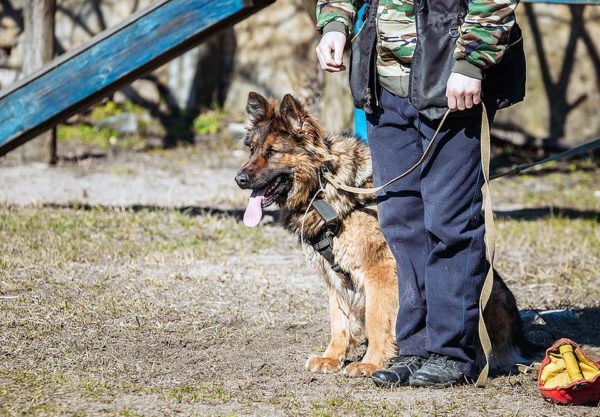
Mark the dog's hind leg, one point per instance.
(335, 354)
(381, 308)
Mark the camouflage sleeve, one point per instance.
(336, 14)
(484, 35)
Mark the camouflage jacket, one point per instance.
(480, 43)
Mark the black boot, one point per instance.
(438, 372)
(397, 373)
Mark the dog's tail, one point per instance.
(510, 346)
(521, 351)
(528, 351)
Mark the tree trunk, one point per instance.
(38, 49)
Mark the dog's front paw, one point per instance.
(324, 365)
(358, 369)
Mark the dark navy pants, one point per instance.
(433, 224)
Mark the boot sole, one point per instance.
(386, 384)
(425, 384)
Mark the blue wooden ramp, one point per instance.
(111, 60)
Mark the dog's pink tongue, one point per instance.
(253, 212)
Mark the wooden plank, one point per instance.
(110, 61)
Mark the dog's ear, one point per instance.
(292, 112)
(256, 107)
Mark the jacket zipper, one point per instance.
(412, 64)
(373, 79)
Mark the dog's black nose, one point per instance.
(242, 178)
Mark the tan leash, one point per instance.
(531, 369)
(490, 246)
(490, 233)
(339, 185)
(586, 147)
(490, 230)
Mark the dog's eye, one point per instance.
(270, 152)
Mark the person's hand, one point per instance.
(463, 92)
(330, 51)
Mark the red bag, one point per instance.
(568, 376)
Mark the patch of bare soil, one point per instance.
(153, 312)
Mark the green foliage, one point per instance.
(103, 137)
(110, 108)
(209, 123)
(90, 135)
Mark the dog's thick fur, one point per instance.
(288, 148)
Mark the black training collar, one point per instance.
(323, 241)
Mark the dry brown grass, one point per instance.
(122, 313)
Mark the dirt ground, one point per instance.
(129, 287)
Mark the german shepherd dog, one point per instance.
(288, 150)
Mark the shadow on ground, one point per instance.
(538, 213)
(271, 216)
(580, 325)
(535, 213)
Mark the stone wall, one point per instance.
(272, 52)
(276, 55)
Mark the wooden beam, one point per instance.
(111, 60)
(38, 49)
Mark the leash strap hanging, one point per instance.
(586, 147)
(490, 246)
(339, 185)
(533, 368)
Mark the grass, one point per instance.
(203, 393)
(553, 189)
(554, 243)
(56, 237)
(158, 312)
(558, 252)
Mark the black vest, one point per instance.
(437, 24)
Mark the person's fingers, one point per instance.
(460, 101)
(327, 57)
(451, 102)
(321, 57)
(326, 60)
(477, 98)
(321, 54)
(338, 54)
(468, 100)
(330, 52)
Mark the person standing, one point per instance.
(430, 56)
